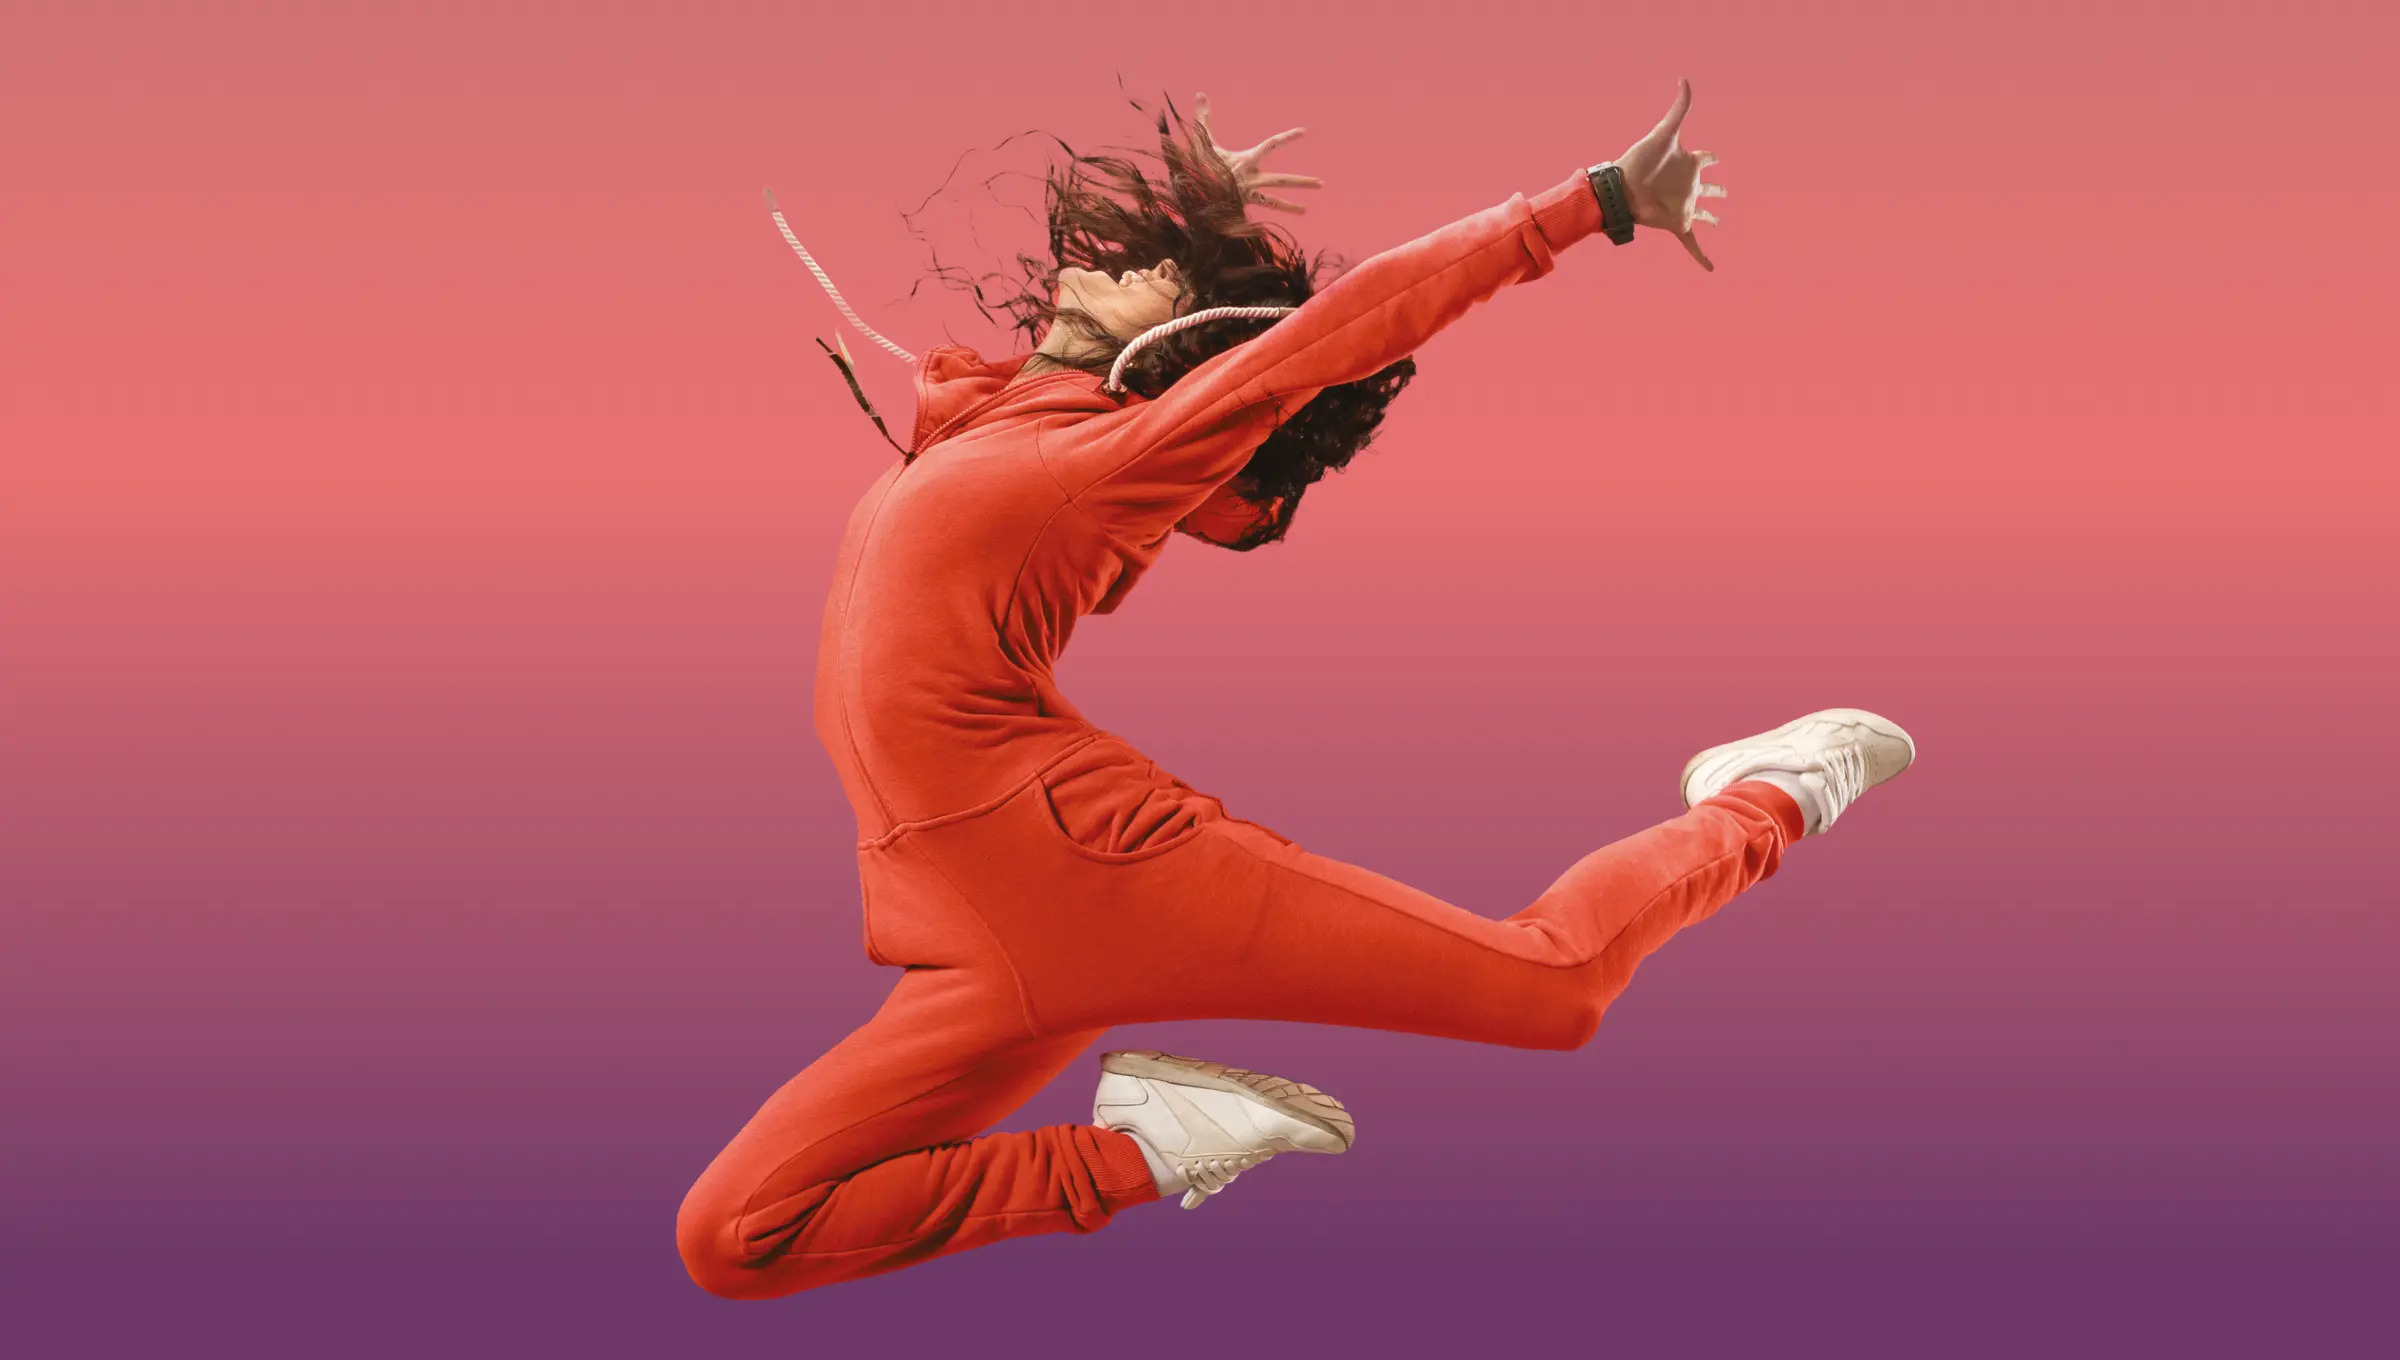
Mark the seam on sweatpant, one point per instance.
(1033, 1026)
(1652, 904)
(1647, 906)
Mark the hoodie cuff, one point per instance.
(1568, 212)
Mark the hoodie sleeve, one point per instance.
(1143, 468)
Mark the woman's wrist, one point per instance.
(1617, 217)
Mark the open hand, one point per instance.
(1244, 164)
(1663, 180)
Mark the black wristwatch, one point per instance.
(1616, 209)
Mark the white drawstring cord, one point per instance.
(1116, 371)
(830, 290)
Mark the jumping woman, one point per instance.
(1036, 878)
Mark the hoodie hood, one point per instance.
(958, 389)
(952, 381)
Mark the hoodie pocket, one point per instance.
(1111, 803)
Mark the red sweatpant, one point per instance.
(1023, 942)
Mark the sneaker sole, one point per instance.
(1876, 721)
(1295, 1098)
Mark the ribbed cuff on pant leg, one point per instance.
(1764, 796)
(1119, 1171)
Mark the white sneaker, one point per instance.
(1835, 754)
(1207, 1123)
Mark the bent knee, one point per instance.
(1586, 1023)
(1565, 1025)
(708, 1235)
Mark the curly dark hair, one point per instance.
(1106, 214)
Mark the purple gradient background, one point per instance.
(422, 487)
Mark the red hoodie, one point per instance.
(964, 569)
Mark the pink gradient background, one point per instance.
(421, 488)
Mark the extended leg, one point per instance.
(1340, 944)
(1235, 922)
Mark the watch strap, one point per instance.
(1616, 206)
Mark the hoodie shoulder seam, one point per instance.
(1076, 501)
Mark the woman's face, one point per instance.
(1129, 304)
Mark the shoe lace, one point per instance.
(1845, 775)
(1211, 1174)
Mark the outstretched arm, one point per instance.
(1142, 468)
(1145, 467)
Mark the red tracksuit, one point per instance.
(1039, 880)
